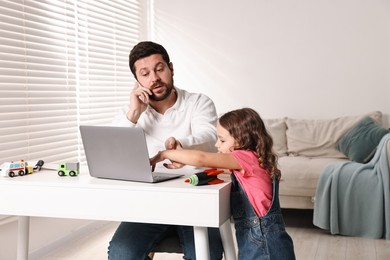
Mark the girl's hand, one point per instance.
(159, 157)
(173, 165)
(156, 159)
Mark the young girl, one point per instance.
(245, 149)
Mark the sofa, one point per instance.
(306, 146)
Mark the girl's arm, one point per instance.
(198, 158)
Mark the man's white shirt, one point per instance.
(191, 120)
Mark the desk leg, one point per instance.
(227, 241)
(201, 243)
(23, 237)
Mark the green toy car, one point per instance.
(71, 169)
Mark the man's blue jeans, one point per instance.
(134, 241)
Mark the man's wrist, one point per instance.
(133, 116)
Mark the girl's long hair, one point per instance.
(247, 128)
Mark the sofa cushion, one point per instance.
(318, 138)
(360, 142)
(300, 174)
(277, 129)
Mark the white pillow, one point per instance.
(318, 138)
(277, 129)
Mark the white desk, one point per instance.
(45, 194)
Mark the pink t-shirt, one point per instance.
(254, 180)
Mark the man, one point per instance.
(172, 119)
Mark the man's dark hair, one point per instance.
(145, 49)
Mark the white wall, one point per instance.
(301, 58)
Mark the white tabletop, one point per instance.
(45, 194)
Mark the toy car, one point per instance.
(12, 168)
(71, 169)
(20, 168)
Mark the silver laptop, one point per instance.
(119, 153)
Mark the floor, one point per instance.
(309, 243)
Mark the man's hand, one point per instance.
(139, 100)
(173, 144)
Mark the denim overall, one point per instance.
(259, 237)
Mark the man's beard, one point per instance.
(168, 91)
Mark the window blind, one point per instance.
(63, 63)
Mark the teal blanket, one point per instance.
(353, 199)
